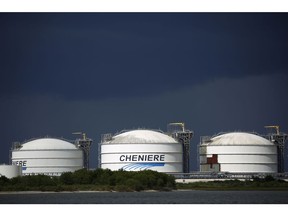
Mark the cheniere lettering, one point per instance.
(20, 163)
(139, 158)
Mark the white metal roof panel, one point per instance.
(47, 143)
(142, 136)
(239, 138)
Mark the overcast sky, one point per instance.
(105, 72)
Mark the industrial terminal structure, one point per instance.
(237, 152)
(147, 149)
(51, 156)
(47, 156)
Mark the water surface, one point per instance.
(175, 197)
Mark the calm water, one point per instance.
(175, 197)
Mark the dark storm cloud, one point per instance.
(104, 72)
(101, 55)
(221, 105)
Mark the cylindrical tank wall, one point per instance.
(49, 162)
(238, 149)
(238, 158)
(10, 171)
(162, 157)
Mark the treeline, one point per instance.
(267, 183)
(96, 180)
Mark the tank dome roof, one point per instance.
(47, 143)
(240, 138)
(141, 137)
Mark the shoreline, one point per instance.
(80, 191)
(146, 191)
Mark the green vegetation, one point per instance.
(267, 183)
(107, 180)
(97, 180)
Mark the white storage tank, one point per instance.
(10, 171)
(140, 150)
(238, 152)
(48, 156)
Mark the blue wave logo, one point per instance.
(140, 166)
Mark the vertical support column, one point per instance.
(178, 132)
(184, 138)
(186, 158)
(85, 146)
(279, 140)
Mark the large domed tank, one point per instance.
(47, 156)
(140, 150)
(238, 152)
